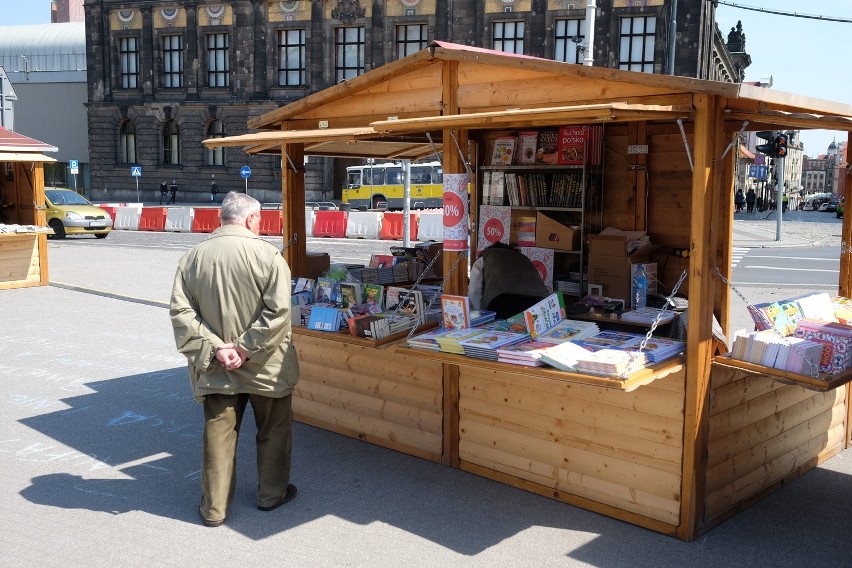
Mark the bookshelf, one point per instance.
(566, 194)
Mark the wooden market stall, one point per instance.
(677, 447)
(23, 232)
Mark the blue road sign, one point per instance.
(245, 172)
(74, 166)
(136, 171)
(758, 172)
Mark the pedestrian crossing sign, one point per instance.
(136, 171)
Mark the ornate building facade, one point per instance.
(163, 75)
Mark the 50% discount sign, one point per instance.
(456, 221)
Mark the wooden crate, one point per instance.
(22, 260)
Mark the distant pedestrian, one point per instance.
(173, 191)
(739, 200)
(214, 191)
(759, 204)
(750, 199)
(164, 192)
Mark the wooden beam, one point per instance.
(726, 228)
(845, 276)
(293, 202)
(455, 273)
(709, 130)
(450, 452)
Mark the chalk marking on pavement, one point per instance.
(112, 295)
(145, 460)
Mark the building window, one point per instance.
(171, 143)
(127, 143)
(291, 58)
(218, 61)
(128, 48)
(173, 61)
(349, 44)
(636, 52)
(216, 156)
(410, 39)
(570, 35)
(509, 37)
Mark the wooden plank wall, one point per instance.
(372, 394)
(20, 261)
(762, 433)
(610, 451)
(668, 182)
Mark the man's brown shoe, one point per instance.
(289, 495)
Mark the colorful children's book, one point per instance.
(569, 330)
(455, 311)
(304, 285)
(611, 340)
(544, 315)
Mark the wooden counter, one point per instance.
(23, 260)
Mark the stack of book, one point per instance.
(768, 348)
(527, 353)
(569, 330)
(325, 318)
(836, 339)
(648, 315)
(563, 356)
(611, 340)
(428, 340)
(610, 362)
(481, 317)
(544, 315)
(450, 342)
(660, 348)
(485, 345)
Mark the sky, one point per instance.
(803, 56)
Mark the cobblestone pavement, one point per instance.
(820, 228)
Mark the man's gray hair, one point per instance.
(236, 207)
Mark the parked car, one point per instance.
(839, 209)
(829, 206)
(69, 213)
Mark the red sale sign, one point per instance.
(456, 221)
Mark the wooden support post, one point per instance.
(450, 452)
(637, 134)
(293, 204)
(709, 132)
(726, 227)
(455, 271)
(845, 276)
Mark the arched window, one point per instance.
(216, 156)
(127, 143)
(171, 143)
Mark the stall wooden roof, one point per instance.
(384, 112)
(16, 147)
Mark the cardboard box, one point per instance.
(550, 233)
(610, 265)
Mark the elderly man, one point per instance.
(230, 310)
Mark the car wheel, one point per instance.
(58, 228)
(839, 215)
(101, 235)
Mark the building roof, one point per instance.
(43, 47)
(405, 98)
(14, 142)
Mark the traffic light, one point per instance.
(781, 145)
(771, 140)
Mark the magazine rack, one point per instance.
(344, 336)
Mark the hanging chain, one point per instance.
(656, 322)
(292, 240)
(813, 369)
(428, 307)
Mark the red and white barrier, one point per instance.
(179, 219)
(431, 226)
(127, 218)
(271, 222)
(364, 224)
(205, 220)
(309, 222)
(393, 226)
(330, 224)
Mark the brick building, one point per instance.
(165, 75)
